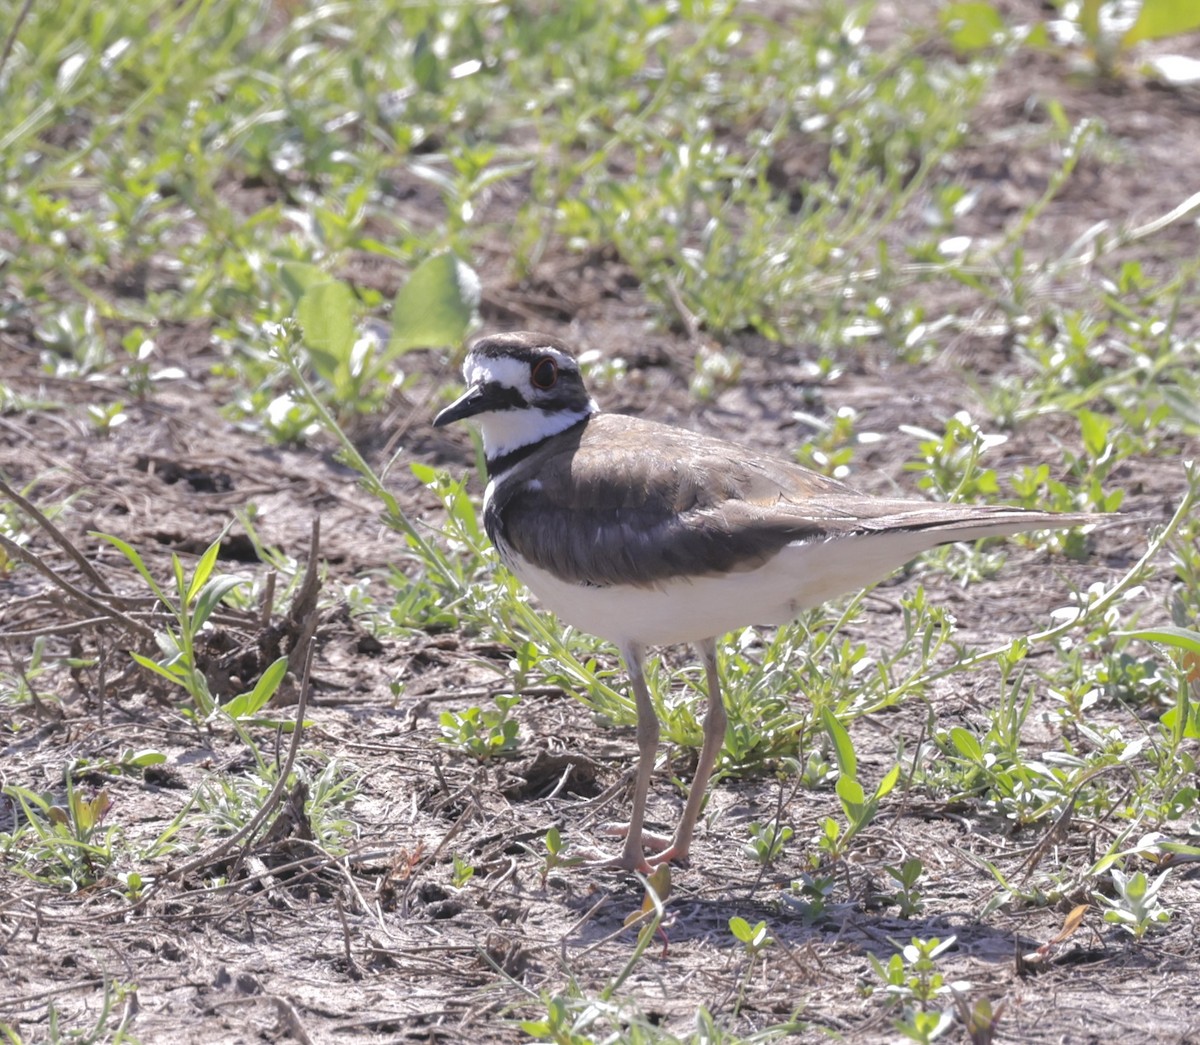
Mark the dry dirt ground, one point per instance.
(380, 946)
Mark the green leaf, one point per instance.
(326, 314)
(204, 569)
(1089, 19)
(245, 704)
(286, 726)
(850, 791)
(972, 26)
(1180, 638)
(843, 748)
(1094, 430)
(741, 929)
(298, 277)
(966, 744)
(1159, 18)
(1182, 720)
(158, 669)
(435, 307)
(210, 598)
(1182, 405)
(427, 69)
(888, 782)
(132, 555)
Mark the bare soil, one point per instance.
(380, 945)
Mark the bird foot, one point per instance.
(662, 850)
(655, 843)
(594, 860)
(672, 854)
(632, 857)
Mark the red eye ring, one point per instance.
(544, 373)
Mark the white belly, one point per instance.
(801, 576)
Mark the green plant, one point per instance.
(767, 841)
(18, 686)
(116, 994)
(132, 884)
(906, 877)
(129, 761)
(64, 845)
(1108, 36)
(191, 604)
(1182, 719)
(911, 974)
(831, 451)
(811, 894)
(859, 810)
(434, 308)
(1136, 907)
(329, 787)
(922, 1025)
(106, 418)
(558, 854)
(979, 1019)
(948, 465)
(483, 732)
(913, 983)
(754, 940)
(461, 872)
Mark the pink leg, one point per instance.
(715, 721)
(632, 856)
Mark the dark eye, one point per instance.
(544, 373)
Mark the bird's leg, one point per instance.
(715, 721)
(633, 857)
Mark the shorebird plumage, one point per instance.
(646, 535)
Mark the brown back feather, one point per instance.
(629, 501)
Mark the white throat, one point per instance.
(507, 430)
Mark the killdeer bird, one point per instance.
(648, 535)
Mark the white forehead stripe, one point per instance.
(479, 369)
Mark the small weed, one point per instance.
(948, 465)
(191, 604)
(64, 845)
(754, 940)
(980, 1019)
(1135, 907)
(767, 842)
(558, 854)
(461, 872)
(18, 685)
(106, 1027)
(229, 802)
(912, 974)
(831, 452)
(812, 894)
(129, 762)
(1106, 33)
(714, 372)
(106, 418)
(913, 983)
(434, 308)
(859, 810)
(906, 876)
(924, 1026)
(483, 732)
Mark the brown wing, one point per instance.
(628, 501)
